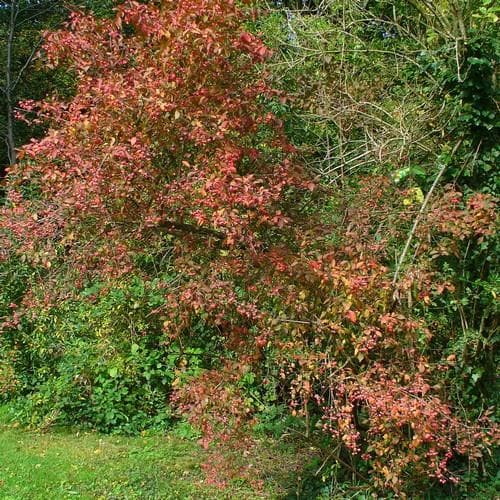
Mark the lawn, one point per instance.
(86, 465)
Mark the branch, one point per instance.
(26, 64)
(37, 14)
(418, 218)
(190, 228)
(296, 321)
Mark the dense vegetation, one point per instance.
(272, 220)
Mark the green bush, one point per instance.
(100, 360)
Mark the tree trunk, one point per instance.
(10, 139)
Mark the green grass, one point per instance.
(85, 465)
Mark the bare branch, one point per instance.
(169, 226)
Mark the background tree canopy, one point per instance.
(22, 25)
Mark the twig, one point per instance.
(418, 218)
(189, 228)
(300, 322)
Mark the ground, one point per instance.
(62, 464)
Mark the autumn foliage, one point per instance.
(159, 138)
(168, 147)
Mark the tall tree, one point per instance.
(22, 23)
(22, 27)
